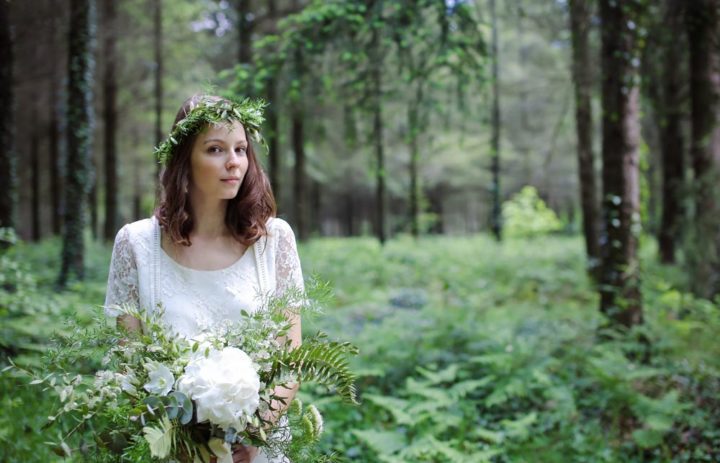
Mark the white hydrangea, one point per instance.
(224, 385)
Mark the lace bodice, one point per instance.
(142, 273)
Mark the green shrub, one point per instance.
(526, 215)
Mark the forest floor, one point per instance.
(470, 351)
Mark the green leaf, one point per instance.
(160, 439)
(382, 442)
(647, 438)
(397, 407)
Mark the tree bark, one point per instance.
(670, 116)
(80, 127)
(620, 297)
(702, 26)
(496, 211)
(580, 14)
(110, 123)
(8, 156)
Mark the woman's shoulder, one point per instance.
(279, 228)
(138, 230)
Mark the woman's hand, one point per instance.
(241, 454)
(244, 454)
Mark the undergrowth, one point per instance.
(470, 351)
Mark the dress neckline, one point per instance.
(190, 269)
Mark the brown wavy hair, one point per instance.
(247, 213)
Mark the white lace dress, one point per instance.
(193, 301)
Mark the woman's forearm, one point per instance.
(277, 407)
(128, 322)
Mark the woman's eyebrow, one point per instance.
(218, 140)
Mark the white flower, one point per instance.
(127, 382)
(161, 378)
(224, 385)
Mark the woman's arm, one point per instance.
(287, 393)
(122, 287)
(288, 280)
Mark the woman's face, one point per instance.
(218, 162)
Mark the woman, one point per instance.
(213, 246)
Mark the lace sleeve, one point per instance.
(288, 273)
(122, 287)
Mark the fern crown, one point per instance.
(212, 112)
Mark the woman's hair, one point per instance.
(247, 213)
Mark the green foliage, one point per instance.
(526, 215)
(470, 351)
(503, 363)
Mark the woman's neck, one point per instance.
(209, 218)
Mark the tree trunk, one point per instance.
(35, 181)
(702, 26)
(670, 127)
(56, 137)
(8, 156)
(272, 134)
(138, 173)
(80, 124)
(376, 98)
(300, 183)
(316, 207)
(620, 297)
(414, 132)
(110, 123)
(496, 214)
(57, 162)
(435, 197)
(93, 199)
(244, 8)
(580, 14)
(379, 156)
(157, 21)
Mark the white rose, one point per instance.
(161, 378)
(224, 386)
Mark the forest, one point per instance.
(515, 203)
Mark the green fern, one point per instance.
(324, 362)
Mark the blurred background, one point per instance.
(516, 202)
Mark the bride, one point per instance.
(213, 246)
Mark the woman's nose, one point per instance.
(233, 160)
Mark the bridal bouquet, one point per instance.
(168, 398)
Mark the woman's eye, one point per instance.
(241, 150)
(214, 149)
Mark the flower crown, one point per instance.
(211, 112)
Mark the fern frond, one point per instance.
(324, 362)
